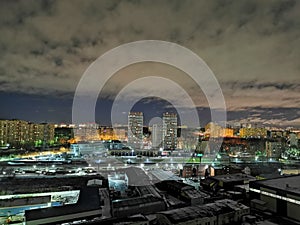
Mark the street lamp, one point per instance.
(199, 153)
(200, 159)
(98, 163)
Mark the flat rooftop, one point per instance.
(122, 203)
(164, 175)
(175, 184)
(234, 177)
(37, 184)
(147, 190)
(290, 184)
(137, 177)
(192, 212)
(193, 193)
(89, 199)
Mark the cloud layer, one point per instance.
(253, 47)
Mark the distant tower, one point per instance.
(157, 135)
(169, 131)
(135, 129)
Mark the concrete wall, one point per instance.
(293, 210)
(24, 201)
(271, 202)
(144, 209)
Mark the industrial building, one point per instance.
(183, 192)
(19, 194)
(135, 176)
(226, 182)
(221, 212)
(145, 205)
(280, 196)
(88, 148)
(88, 206)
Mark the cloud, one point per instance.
(283, 117)
(253, 47)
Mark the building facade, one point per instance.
(135, 129)
(107, 133)
(86, 132)
(221, 212)
(20, 133)
(169, 131)
(157, 135)
(279, 195)
(253, 132)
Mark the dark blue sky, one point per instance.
(59, 110)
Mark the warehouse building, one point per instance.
(279, 195)
(221, 212)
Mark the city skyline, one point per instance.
(255, 62)
(158, 115)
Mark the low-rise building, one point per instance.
(145, 205)
(88, 148)
(280, 195)
(88, 206)
(183, 191)
(222, 170)
(34, 192)
(221, 212)
(228, 181)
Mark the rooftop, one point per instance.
(137, 177)
(88, 200)
(208, 210)
(147, 190)
(37, 184)
(186, 213)
(289, 184)
(234, 177)
(180, 186)
(164, 175)
(192, 193)
(135, 201)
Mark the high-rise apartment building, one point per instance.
(86, 132)
(157, 135)
(18, 133)
(169, 131)
(135, 129)
(40, 133)
(13, 131)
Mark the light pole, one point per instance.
(200, 159)
(98, 164)
(199, 153)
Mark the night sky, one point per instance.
(252, 47)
